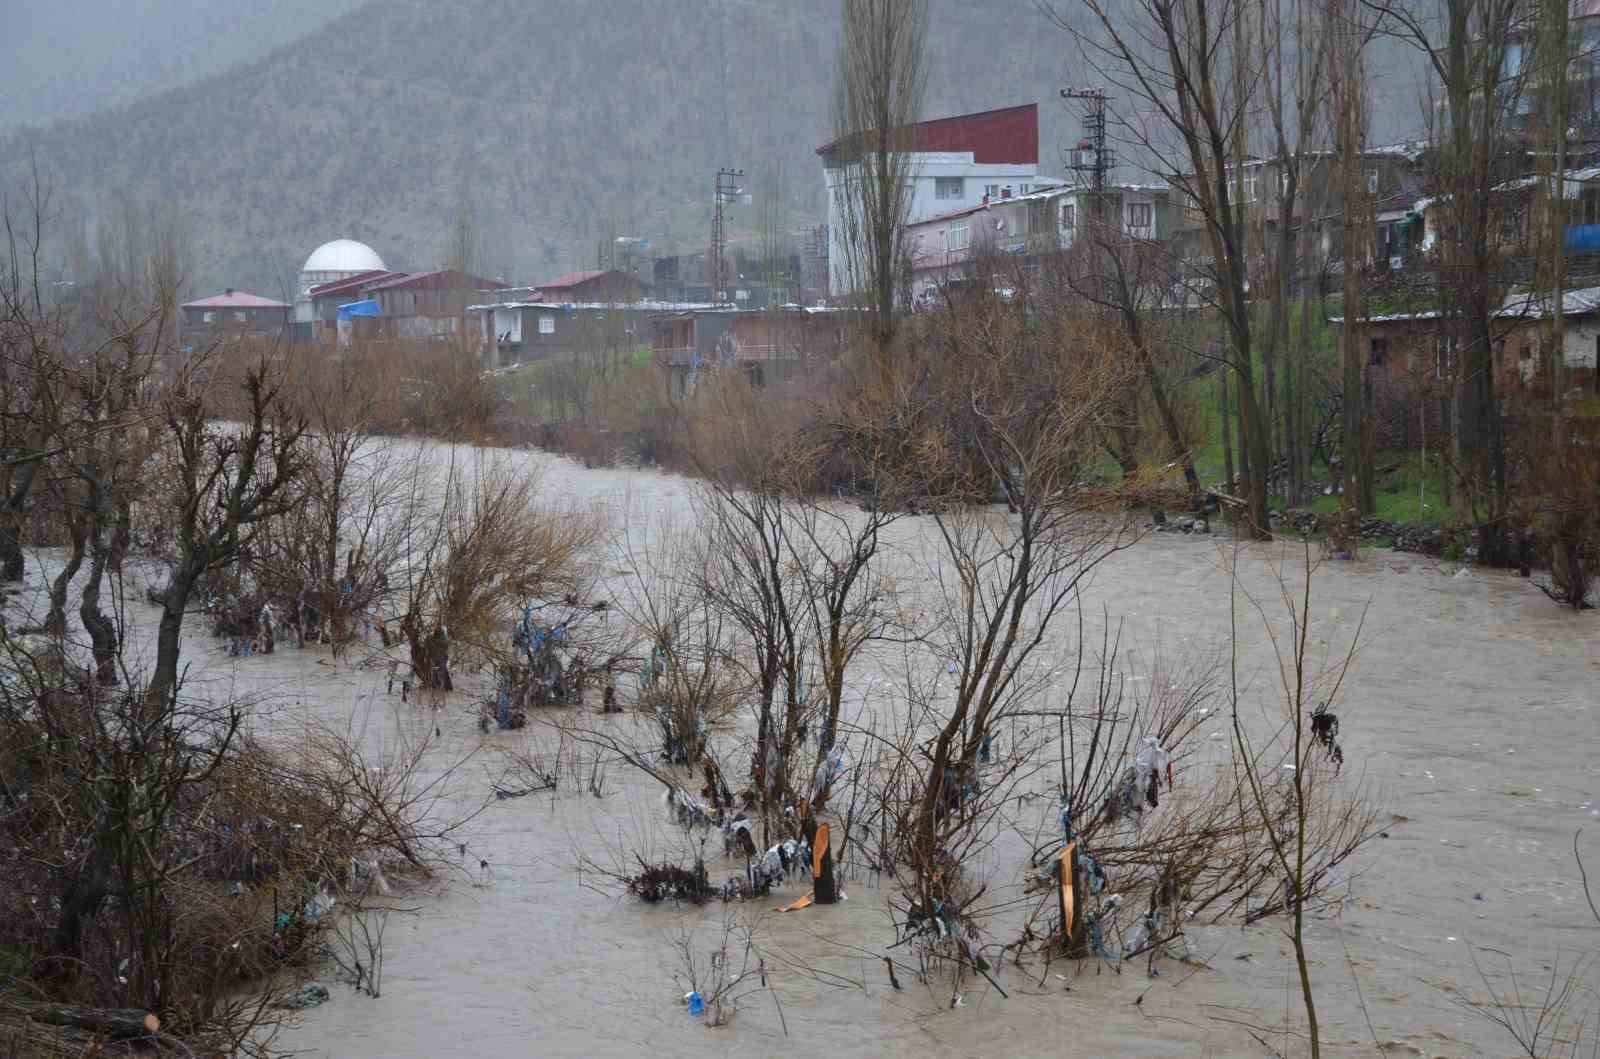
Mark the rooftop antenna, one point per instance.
(727, 190)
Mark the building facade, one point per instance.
(956, 164)
(233, 314)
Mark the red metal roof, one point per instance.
(352, 283)
(1009, 136)
(235, 299)
(572, 279)
(442, 279)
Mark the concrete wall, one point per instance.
(926, 170)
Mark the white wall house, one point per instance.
(942, 246)
(958, 162)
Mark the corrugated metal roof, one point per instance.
(235, 299)
(351, 283)
(572, 279)
(440, 279)
(1009, 136)
(1582, 302)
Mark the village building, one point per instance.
(233, 314)
(942, 249)
(768, 344)
(1413, 359)
(426, 305)
(339, 259)
(326, 298)
(956, 164)
(595, 286)
(519, 331)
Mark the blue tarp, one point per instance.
(1583, 238)
(350, 311)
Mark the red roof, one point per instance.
(352, 283)
(443, 279)
(235, 299)
(571, 279)
(995, 137)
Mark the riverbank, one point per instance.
(1467, 721)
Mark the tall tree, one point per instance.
(1472, 47)
(877, 100)
(1295, 46)
(1349, 98)
(1184, 63)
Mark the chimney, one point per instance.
(986, 198)
(228, 291)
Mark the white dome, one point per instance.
(343, 255)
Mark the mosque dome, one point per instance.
(342, 256)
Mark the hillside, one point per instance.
(553, 121)
(69, 60)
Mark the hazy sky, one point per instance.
(65, 58)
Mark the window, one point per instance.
(991, 191)
(547, 325)
(1139, 215)
(1591, 206)
(1069, 217)
(957, 237)
(240, 316)
(949, 187)
(1023, 189)
(1372, 182)
(1379, 355)
(208, 317)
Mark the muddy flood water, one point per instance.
(1468, 720)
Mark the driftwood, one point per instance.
(20, 1018)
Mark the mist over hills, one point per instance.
(65, 60)
(552, 122)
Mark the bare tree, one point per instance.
(1348, 83)
(1182, 61)
(1469, 48)
(877, 100)
(228, 479)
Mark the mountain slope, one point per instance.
(66, 60)
(553, 121)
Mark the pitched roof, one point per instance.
(352, 283)
(441, 279)
(235, 299)
(1009, 136)
(573, 279)
(1518, 304)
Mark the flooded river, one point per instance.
(1468, 719)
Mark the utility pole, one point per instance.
(727, 190)
(1091, 156)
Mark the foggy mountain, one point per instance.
(66, 60)
(553, 122)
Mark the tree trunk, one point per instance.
(11, 562)
(164, 678)
(102, 630)
(55, 623)
(121, 536)
(1225, 414)
(1158, 391)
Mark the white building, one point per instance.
(332, 261)
(941, 248)
(958, 163)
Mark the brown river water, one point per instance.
(1468, 720)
